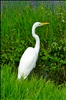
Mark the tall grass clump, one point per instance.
(16, 25)
(29, 89)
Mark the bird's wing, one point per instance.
(27, 60)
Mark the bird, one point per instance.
(30, 56)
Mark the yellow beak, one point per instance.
(45, 23)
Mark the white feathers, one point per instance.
(29, 57)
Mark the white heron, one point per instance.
(29, 57)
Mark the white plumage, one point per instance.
(29, 57)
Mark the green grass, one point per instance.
(29, 89)
(16, 27)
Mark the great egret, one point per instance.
(29, 57)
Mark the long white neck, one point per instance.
(37, 45)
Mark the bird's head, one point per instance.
(39, 24)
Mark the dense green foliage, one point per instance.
(16, 24)
(29, 89)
